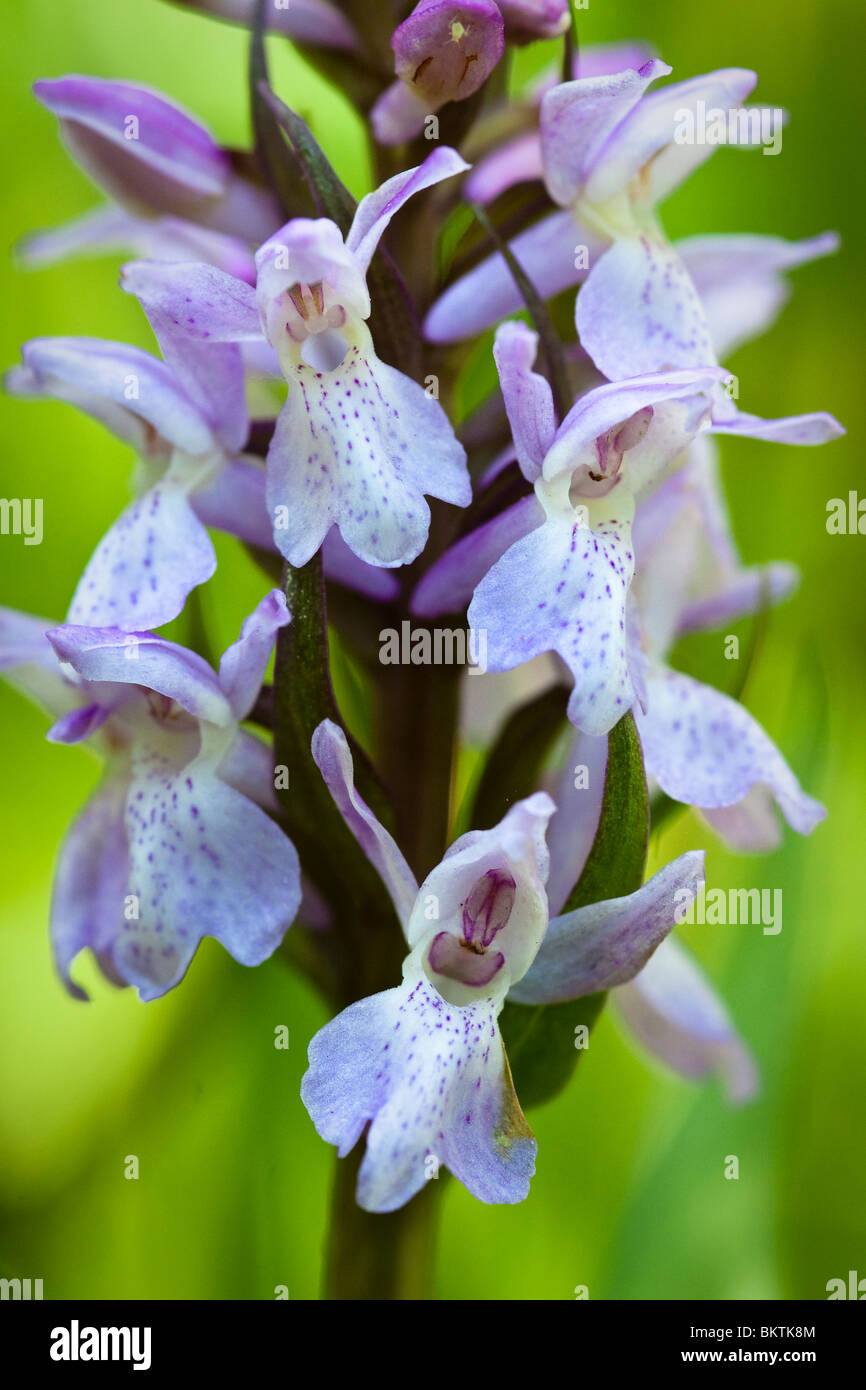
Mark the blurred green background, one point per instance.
(629, 1197)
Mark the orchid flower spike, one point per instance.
(357, 443)
(174, 844)
(423, 1064)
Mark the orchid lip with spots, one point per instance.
(423, 1063)
(442, 443)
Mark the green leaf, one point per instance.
(511, 769)
(329, 853)
(616, 862)
(393, 322)
(543, 1046)
(540, 1039)
(551, 345)
(281, 172)
(330, 196)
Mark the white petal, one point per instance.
(639, 312)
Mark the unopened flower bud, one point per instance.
(445, 51)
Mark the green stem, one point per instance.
(418, 707)
(392, 1255)
(383, 1255)
(367, 941)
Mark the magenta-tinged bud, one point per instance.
(444, 51)
(151, 156)
(487, 909)
(139, 147)
(526, 20)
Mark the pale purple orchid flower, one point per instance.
(357, 443)
(700, 746)
(423, 1064)
(609, 155)
(741, 280)
(174, 844)
(188, 427)
(443, 51)
(174, 184)
(187, 420)
(669, 1006)
(553, 571)
(675, 1013)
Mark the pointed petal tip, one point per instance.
(739, 1073)
(72, 989)
(803, 813)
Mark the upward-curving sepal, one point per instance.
(333, 758)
